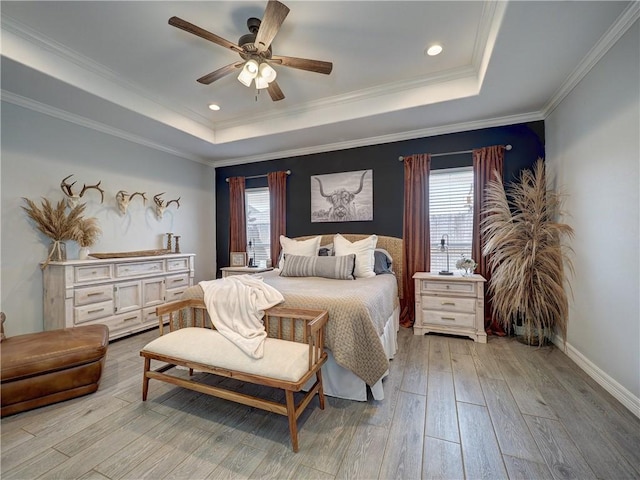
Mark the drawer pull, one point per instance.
(450, 319)
(449, 303)
(176, 280)
(93, 294)
(96, 311)
(448, 287)
(129, 319)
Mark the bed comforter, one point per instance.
(358, 311)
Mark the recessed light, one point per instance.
(434, 50)
(214, 107)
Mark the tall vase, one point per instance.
(57, 251)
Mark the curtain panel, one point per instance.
(485, 162)
(237, 216)
(416, 235)
(277, 182)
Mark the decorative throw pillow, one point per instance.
(364, 253)
(382, 261)
(338, 267)
(307, 248)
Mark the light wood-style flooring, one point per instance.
(453, 409)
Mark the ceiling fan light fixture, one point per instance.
(267, 72)
(261, 82)
(248, 72)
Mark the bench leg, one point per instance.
(145, 379)
(320, 389)
(291, 414)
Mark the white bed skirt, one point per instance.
(342, 383)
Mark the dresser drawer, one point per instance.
(91, 312)
(436, 286)
(90, 273)
(139, 268)
(89, 295)
(174, 294)
(449, 304)
(122, 324)
(177, 264)
(177, 281)
(149, 316)
(452, 319)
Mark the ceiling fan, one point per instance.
(255, 50)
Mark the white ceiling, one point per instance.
(117, 66)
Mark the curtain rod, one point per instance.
(288, 172)
(401, 158)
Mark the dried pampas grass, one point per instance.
(54, 222)
(87, 232)
(526, 255)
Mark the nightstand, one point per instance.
(228, 271)
(450, 304)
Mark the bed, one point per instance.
(361, 335)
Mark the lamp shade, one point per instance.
(267, 72)
(261, 82)
(248, 72)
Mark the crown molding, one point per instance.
(626, 19)
(396, 137)
(54, 112)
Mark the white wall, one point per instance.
(593, 150)
(38, 151)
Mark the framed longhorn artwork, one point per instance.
(342, 197)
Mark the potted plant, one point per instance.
(86, 234)
(527, 258)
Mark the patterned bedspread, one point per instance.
(358, 311)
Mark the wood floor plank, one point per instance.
(36, 466)
(308, 473)
(13, 438)
(278, 465)
(486, 363)
(92, 475)
(441, 460)
(415, 373)
(521, 469)
(459, 345)
(439, 355)
(480, 452)
(442, 417)
(560, 453)
(403, 452)
(364, 455)
(465, 379)
(240, 463)
(511, 430)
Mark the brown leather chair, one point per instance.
(42, 368)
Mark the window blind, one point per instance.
(450, 213)
(258, 224)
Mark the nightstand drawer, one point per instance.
(466, 288)
(449, 304)
(452, 319)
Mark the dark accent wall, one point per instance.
(527, 140)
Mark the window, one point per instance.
(450, 213)
(258, 224)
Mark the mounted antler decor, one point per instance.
(123, 199)
(72, 198)
(160, 205)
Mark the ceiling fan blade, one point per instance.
(274, 15)
(200, 32)
(218, 74)
(317, 66)
(275, 92)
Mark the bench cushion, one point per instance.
(282, 360)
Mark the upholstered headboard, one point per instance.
(393, 245)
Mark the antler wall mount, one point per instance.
(161, 206)
(255, 50)
(123, 199)
(72, 198)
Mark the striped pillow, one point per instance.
(340, 268)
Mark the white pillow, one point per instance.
(364, 253)
(307, 248)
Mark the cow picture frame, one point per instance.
(342, 197)
(238, 259)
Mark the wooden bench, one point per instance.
(293, 354)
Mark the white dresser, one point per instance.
(121, 293)
(450, 304)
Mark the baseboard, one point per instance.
(621, 394)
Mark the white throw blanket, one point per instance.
(236, 305)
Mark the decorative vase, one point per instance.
(57, 251)
(83, 253)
